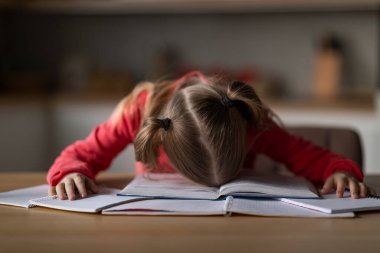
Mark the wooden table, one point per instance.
(42, 229)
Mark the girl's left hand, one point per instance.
(341, 180)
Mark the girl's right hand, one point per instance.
(71, 183)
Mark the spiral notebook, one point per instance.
(331, 204)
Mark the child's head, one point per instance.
(203, 129)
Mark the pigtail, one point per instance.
(245, 99)
(148, 140)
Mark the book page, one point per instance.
(168, 185)
(273, 185)
(272, 207)
(169, 207)
(21, 197)
(91, 204)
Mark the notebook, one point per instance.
(331, 204)
(174, 185)
(36, 196)
(227, 206)
(93, 203)
(21, 197)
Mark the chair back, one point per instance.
(343, 141)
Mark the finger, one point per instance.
(52, 191)
(70, 189)
(354, 188)
(340, 187)
(363, 190)
(61, 191)
(80, 184)
(92, 186)
(328, 186)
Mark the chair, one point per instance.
(343, 141)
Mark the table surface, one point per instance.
(41, 229)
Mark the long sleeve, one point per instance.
(96, 152)
(302, 157)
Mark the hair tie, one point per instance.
(227, 102)
(165, 123)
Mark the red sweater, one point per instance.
(96, 152)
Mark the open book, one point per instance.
(36, 196)
(175, 185)
(227, 206)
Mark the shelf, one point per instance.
(188, 6)
(341, 105)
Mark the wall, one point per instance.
(2, 46)
(24, 137)
(74, 120)
(34, 133)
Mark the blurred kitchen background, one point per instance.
(64, 65)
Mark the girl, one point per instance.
(205, 129)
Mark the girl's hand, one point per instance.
(71, 183)
(341, 180)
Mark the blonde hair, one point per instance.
(206, 139)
